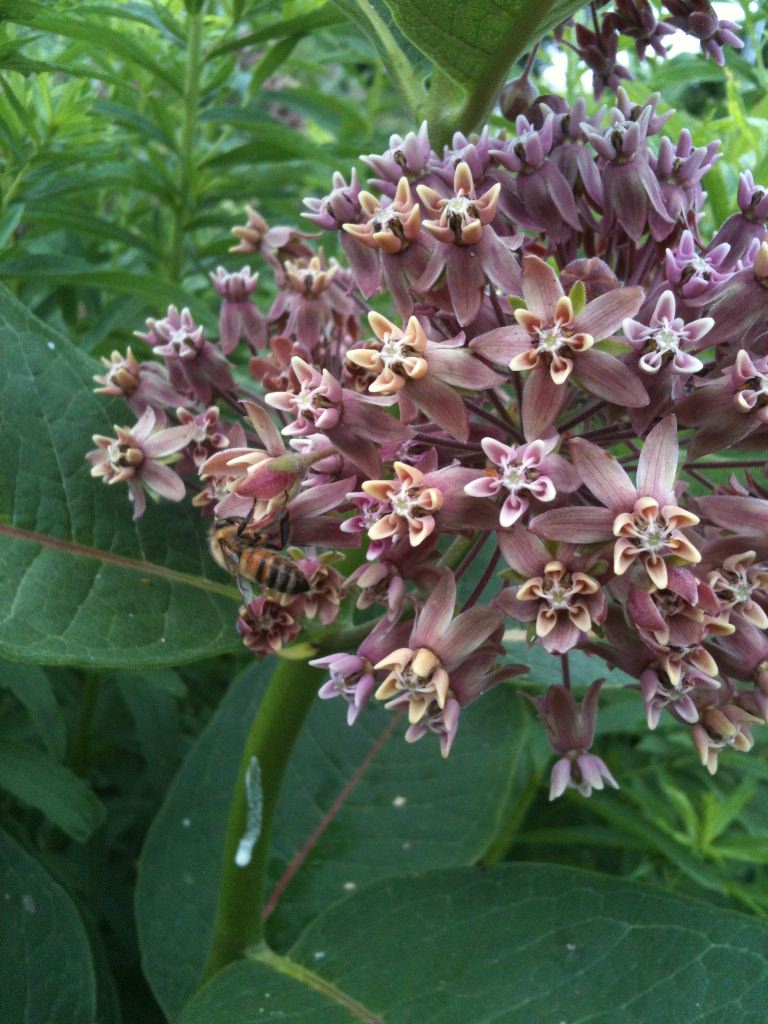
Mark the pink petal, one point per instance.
(165, 442)
(523, 551)
(163, 481)
(603, 475)
(466, 280)
(501, 344)
(576, 525)
(603, 316)
(542, 402)
(541, 288)
(459, 367)
(736, 513)
(436, 613)
(483, 487)
(642, 611)
(512, 509)
(467, 632)
(265, 428)
(657, 466)
(439, 402)
(559, 778)
(520, 611)
(321, 498)
(607, 377)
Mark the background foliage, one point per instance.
(132, 134)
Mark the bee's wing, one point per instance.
(230, 556)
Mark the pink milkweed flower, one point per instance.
(352, 676)
(740, 306)
(529, 471)
(722, 725)
(194, 364)
(667, 339)
(312, 301)
(637, 19)
(599, 51)
(570, 729)
(553, 341)
(730, 408)
(697, 18)
(438, 645)
(239, 317)
(140, 384)
(208, 434)
(392, 232)
(679, 170)
(409, 156)
(697, 276)
(274, 370)
(660, 691)
(349, 420)
(266, 626)
(414, 501)
(133, 457)
(276, 244)
(543, 199)
(644, 519)
(257, 483)
(326, 589)
(746, 229)
(741, 585)
(340, 206)
(557, 593)
(407, 363)
(470, 251)
(630, 188)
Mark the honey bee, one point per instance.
(251, 557)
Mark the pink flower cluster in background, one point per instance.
(557, 428)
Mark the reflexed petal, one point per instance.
(607, 377)
(542, 402)
(657, 466)
(467, 632)
(541, 288)
(603, 475)
(576, 525)
(604, 315)
(501, 344)
(163, 481)
(523, 551)
(736, 513)
(559, 778)
(439, 402)
(436, 613)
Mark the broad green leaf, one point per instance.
(46, 971)
(470, 41)
(301, 25)
(32, 688)
(83, 584)
(181, 860)
(36, 779)
(358, 804)
(519, 944)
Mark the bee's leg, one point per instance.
(284, 527)
(247, 519)
(245, 588)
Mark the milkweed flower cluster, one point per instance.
(531, 439)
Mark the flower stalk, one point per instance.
(275, 729)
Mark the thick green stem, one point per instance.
(185, 155)
(273, 734)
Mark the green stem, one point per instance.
(185, 175)
(274, 731)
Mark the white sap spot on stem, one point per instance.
(51, 345)
(186, 822)
(28, 903)
(400, 801)
(252, 814)
(349, 886)
(319, 955)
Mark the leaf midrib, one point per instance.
(121, 561)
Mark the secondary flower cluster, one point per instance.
(529, 441)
